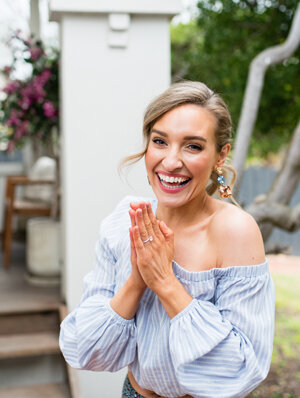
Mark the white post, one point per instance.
(35, 28)
(115, 57)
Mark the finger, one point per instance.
(135, 205)
(147, 221)
(132, 217)
(132, 246)
(141, 225)
(138, 243)
(168, 233)
(153, 220)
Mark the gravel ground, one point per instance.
(284, 264)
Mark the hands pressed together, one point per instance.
(151, 261)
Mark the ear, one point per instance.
(223, 155)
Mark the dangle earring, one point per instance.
(224, 190)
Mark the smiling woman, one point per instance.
(181, 291)
(206, 102)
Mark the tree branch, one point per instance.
(258, 67)
(281, 216)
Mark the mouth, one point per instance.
(172, 184)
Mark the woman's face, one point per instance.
(181, 154)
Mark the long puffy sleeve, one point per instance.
(223, 348)
(94, 336)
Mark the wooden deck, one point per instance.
(16, 294)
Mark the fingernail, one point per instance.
(163, 224)
(143, 206)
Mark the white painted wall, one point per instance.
(104, 92)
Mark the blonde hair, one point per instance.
(189, 92)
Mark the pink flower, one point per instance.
(28, 41)
(14, 118)
(25, 103)
(7, 70)
(11, 146)
(43, 77)
(31, 93)
(49, 109)
(21, 131)
(35, 53)
(11, 87)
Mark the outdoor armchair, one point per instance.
(14, 206)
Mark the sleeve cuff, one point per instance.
(189, 307)
(119, 318)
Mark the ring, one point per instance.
(150, 239)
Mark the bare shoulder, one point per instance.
(237, 237)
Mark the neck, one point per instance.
(188, 214)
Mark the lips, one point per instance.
(172, 183)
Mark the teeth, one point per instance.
(170, 187)
(172, 179)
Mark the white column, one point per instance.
(115, 57)
(35, 28)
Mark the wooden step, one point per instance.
(36, 391)
(23, 345)
(21, 305)
(31, 322)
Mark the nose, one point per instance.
(172, 160)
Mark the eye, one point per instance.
(195, 147)
(158, 141)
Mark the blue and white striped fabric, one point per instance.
(220, 345)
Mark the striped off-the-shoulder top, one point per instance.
(219, 346)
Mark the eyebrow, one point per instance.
(189, 137)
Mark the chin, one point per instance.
(171, 201)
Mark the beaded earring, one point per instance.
(225, 190)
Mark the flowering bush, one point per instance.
(30, 108)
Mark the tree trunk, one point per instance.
(258, 67)
(280, 193)
(281, 216)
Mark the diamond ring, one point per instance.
(150, 239)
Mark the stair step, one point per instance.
(22, 345)
(36, 391)
(31, 322)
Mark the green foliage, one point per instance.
(287, 326)
(218, 47)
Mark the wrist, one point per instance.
(126, 301)
(138, 286)
(166, 286)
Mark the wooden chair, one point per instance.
(14, 206)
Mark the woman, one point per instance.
(184, 298)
